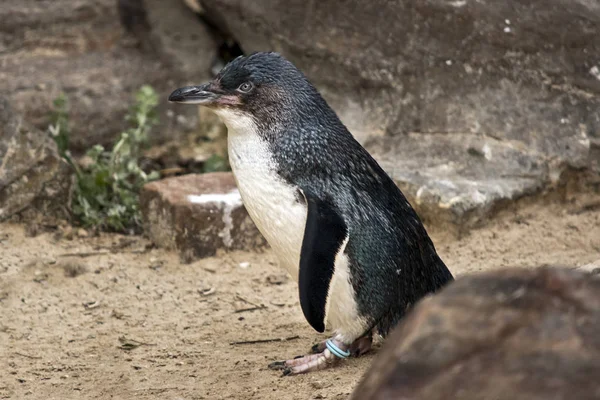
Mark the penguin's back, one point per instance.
(392, 262)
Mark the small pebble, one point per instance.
(207, 292)
(277, 279)
(317, 384)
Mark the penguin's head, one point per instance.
(264, 86)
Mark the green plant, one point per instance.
(106, 190)
(59, 126)
(216, 163)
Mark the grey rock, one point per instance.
(512, 334)
(80, 48)
(594, 157)
(198, 215)
(183, 41)
(32, 174)
(457, 179)
(505, 68)
(523, 72)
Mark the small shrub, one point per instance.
(216, 163)
(59, 126)
(106, 190)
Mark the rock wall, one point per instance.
(497, 98)
(466, 103)
(99, 53)
(520, 69)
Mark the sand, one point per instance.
(129, 321)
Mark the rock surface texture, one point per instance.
(499, 98)
(81, 48)
(512, 334)
(198, 215)
(32, 174)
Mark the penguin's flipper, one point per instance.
(324, 234)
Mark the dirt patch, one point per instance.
(124, 321)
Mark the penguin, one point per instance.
(336, 221)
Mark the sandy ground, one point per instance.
(130, 322)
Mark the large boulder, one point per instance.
(518, 69)
(32, 174)
(197, 215)
(81, 48)
(521, 76)
(514, 334)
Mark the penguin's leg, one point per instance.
(335, 349)
(359, 347)
(362, 345)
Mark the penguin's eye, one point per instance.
(245, 87)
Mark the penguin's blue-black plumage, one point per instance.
(356, 220)
(393, 262)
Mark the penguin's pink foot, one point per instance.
(333, 351)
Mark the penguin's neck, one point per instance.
(271, 202)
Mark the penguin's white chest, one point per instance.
(271, 202)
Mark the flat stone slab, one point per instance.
(459, 178)
(197, 215)
(513, 334)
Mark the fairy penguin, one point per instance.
(334, 218)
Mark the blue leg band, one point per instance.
(336, 351)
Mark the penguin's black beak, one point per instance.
(194, 95)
